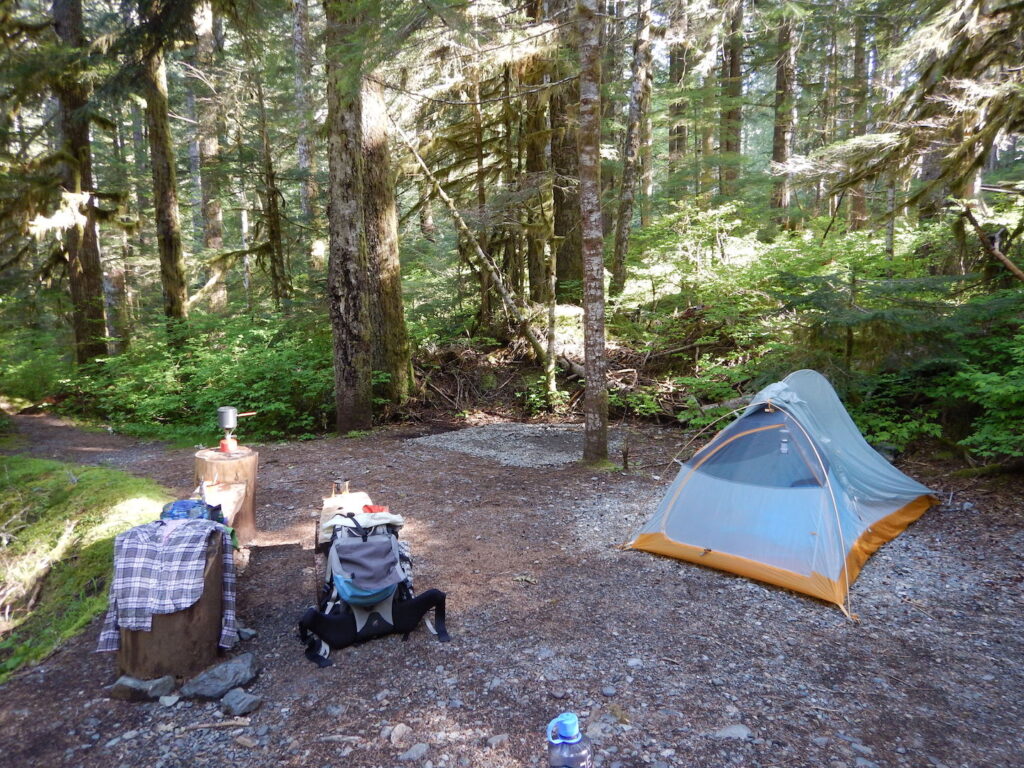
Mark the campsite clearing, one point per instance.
(668, 663)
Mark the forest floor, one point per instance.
(668, 664)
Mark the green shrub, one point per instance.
(281, 369)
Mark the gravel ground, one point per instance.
(667, 663)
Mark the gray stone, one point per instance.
(740, 732)
(336, 710)
(634, 662)
(246, 741)
(132, 689)
(400, 734)
(858, 747)
(238, 702)
(557, 693)
(169, 701)
(608, 690)
(218, 680)
(821, 741)
(497, 741)
(415, 752)
(863, 762)
(244, 633)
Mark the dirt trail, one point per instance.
(669, 664)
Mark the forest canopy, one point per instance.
(337, 215)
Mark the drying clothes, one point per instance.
(159, 568)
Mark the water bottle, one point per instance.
(567, 747)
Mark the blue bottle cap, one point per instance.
(564, 729)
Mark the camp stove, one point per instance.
(227, 418)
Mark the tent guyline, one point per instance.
(789, 493)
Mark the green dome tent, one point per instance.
(790, 493)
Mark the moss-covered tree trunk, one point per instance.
(595, 399)
(165, 190)
(81, 241)
(390, 339)
(347, 281)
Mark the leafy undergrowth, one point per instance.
(57, 528)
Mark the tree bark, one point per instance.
(347, 265)
(861, 89)
(81, 241)
(539, 221)
(679, 136)
(785, 119)
(732, 98)
(303, 145)
(208, 125)
(390, 339)
(595, 399)
(706, 177)
(631, 145)
(280, 280)
(165, 190)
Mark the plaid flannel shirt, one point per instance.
(159, 568)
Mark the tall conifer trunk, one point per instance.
(347, 265)
(565, 160)
(81, 241)
(280, 279)
(539, 224)
(642, 61)
(595, 400)
(732, 97)
(208, 124)
(390, 338)
(303, 145)
(165, 189)
(785, 118)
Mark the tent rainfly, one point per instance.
(790, 493)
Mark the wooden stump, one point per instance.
(223, 471)
(183, 643)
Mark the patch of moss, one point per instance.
(65, 516)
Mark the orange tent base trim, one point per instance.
(814, 584)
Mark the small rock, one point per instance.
(821, 741)
(740, 732)
(415, 752)
(246, 741)
(244, 633)
(858, 747)
(863, 762)
(217, 681)
(635, 662)
(335, 710)
(557, 693)
(399, 735)
(238, 702)
(170, 701)
(608, 690)
(497, 741)
(132, 689)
